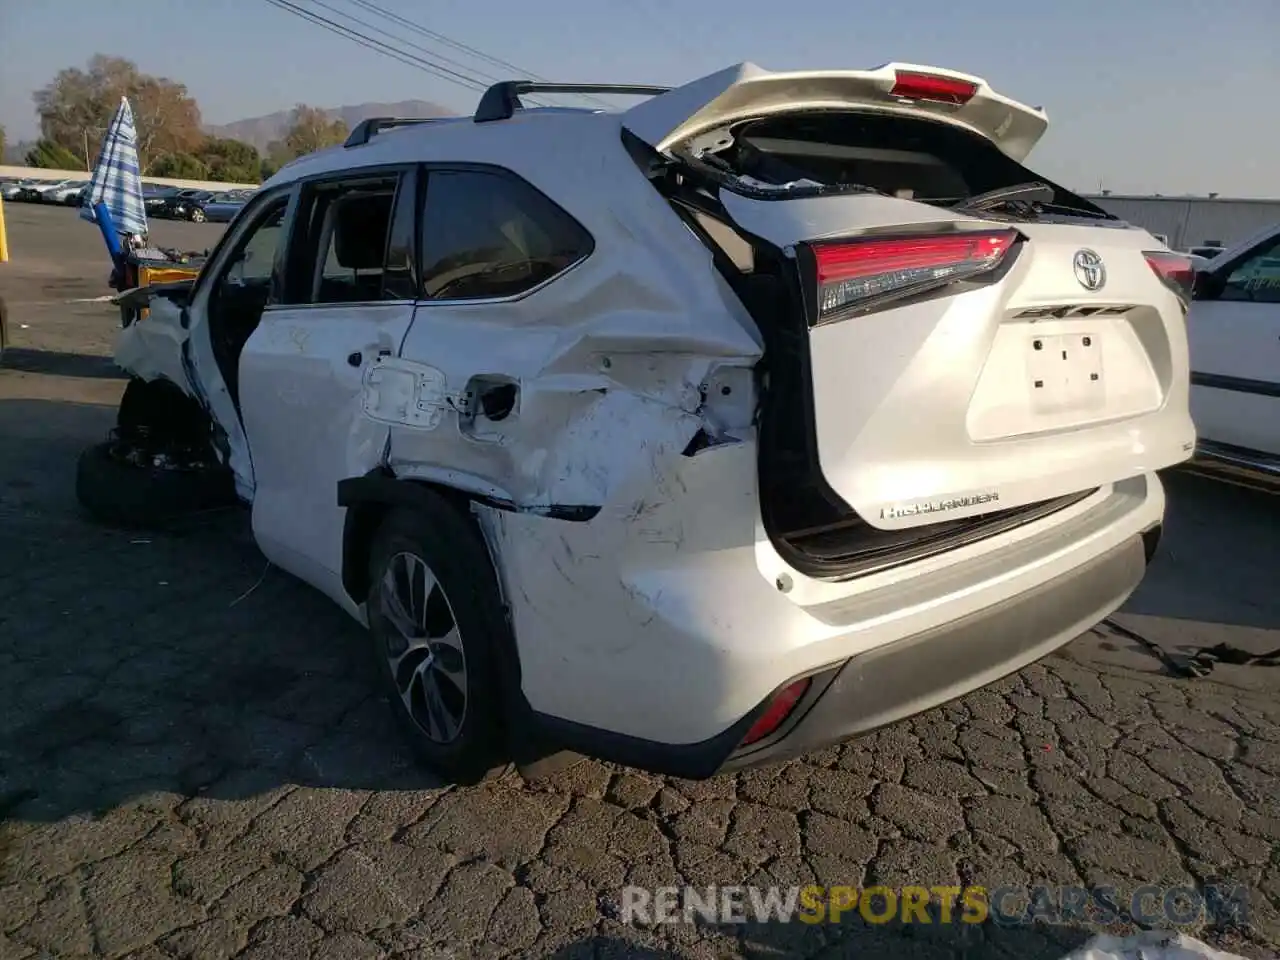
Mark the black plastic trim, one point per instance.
(366, 130)
(385, 487)
(690, 761)
(1218, 381)
(940, 537)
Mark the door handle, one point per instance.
(355, 359)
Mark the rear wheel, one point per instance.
(197, 215)
(437, 627)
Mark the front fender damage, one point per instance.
(153, 349)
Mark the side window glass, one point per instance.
(255, 259)
(1257, 278)
(488, 235)
(339, 252)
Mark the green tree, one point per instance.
(179, 166)
(230, 160)
(76, 107)
(53, 156)
(310, 129)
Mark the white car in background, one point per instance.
(1234, 333)
(772, 410)
(66, 194)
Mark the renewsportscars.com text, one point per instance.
(1151, 904)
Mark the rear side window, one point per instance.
(489, 234)
(1257, 277)
(345, 248)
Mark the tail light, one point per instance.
(932, 87)
(779, 708)
(1176, 272)
(863, 273)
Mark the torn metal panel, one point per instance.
(570, 396)
(573, 440)
(152, 349)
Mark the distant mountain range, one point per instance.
(261, 131)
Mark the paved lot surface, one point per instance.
(191, 763)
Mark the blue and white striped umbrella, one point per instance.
(116, 179)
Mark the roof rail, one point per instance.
(366, 130)
(502, 100)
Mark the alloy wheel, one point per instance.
(424, 648)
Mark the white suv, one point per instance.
(776, 408)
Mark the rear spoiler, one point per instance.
(703, 109)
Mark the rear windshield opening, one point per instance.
(907, 157)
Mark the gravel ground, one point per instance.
(192, 763)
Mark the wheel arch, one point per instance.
(368, 500)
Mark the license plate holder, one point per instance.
(1064, 373)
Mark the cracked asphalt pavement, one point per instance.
(192, 764)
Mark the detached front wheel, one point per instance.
(437, 629)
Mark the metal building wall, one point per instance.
(1194, 221)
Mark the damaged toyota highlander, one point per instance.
(771, 410)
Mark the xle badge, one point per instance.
(898, 511)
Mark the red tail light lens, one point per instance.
(857, 273)
(930, 86)
(1175, 271)
(779, 709)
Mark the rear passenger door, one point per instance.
(498, 291)
(346, 298)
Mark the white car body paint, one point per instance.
(1239, 340)
(300, 401)
(670, 614)
(746, 90)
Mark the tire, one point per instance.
(118, 493)
(197, 216)
(460, 602)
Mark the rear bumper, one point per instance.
(900, 680)
(897, 680)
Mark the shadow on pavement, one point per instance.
(62, 364)
(134, 663)
(1216, 563)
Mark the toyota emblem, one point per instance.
(1089, 269)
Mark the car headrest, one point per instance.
(360, 231)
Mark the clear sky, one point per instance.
(1167, 96)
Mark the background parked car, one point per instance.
(222, 207)
(34, 191)
(67, 193)
(10, 189)
(183, 205)
(155, 197)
